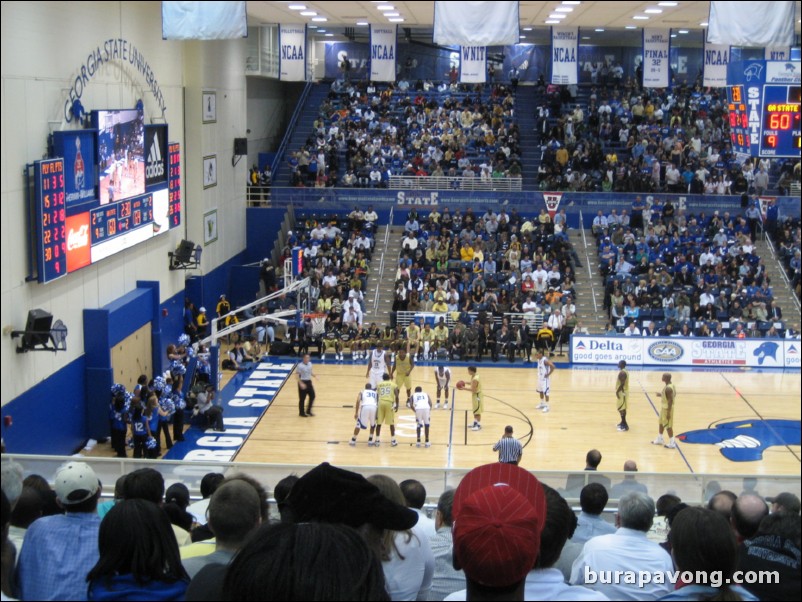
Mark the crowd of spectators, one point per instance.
(501, 534)
(421, 130)
(786, 236)
(674, 273)
(623, 138)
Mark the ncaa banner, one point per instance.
(292, 53)
(716, 59)
(656, 52)
(777, 53)
(473, 64)
(383, 52)
(564, 52)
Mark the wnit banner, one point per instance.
(292, 53)
(656, 49)
(564, 55)
(383, 52)
(473, 64)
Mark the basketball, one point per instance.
(460, 384)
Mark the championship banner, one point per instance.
(476, 23)
(292, 53)
(383, 52)
(777, 53)
(716, 59)
(656, 52)
(564, 53)
(552, 200)
(473, 64)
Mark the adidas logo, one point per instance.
(155, 166)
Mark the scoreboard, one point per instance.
(65, 236)
(763, 99)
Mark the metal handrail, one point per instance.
(505, 184)
(290, 128)
(587, 261)
(380, 275)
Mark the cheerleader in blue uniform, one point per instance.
(118, 418)
(177, 369)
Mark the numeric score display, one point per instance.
(174, 183)
(50, 216)
(739, 120)
(781, 121)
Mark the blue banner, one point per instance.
(80, 174)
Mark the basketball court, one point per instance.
(583, 416)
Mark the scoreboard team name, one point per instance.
(753, 100)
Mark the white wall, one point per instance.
(270, 106)
(44, 45)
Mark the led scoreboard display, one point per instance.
(763, 99)
(50, 215)
(174, 183)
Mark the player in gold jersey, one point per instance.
(668, 396)
(622, 394)
(402, 369)
(387, 392)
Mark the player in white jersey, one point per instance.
(443, 377)
(378, 364)
(422, 404)
(545, 367)
(367, 403)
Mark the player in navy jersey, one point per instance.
(331, 341)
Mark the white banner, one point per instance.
(763, 24)
(383, 52)
(656, 52)
(292, 53)
(564, 51)
(716, 59)
(472, 64)
(681, 351)
(777, 53)
(204, 20)
(476, 23)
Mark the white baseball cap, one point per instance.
(75, 482)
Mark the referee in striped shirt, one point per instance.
(509, 448)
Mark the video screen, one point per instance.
(121, 153)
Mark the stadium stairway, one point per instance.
(302, 131)
(786, 300)
(588, 285)
(526, 102)
(382, 282)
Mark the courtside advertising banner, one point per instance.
(685, 351)
(564, 53)
(716, 59)
(656, 51)
(292, 53)
(472, 64)
(383, 52)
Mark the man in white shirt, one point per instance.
(318, 233)
(599, 223)
(545, 582)
(415, 497)
(529, 306)
(371, 217)
(632, 330)
(330, 280)
(410, 242)
(541, 278)
(627, 549)
(707, 298)
(446, 579)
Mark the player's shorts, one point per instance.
(442, 387)
(422, 416)
(386, 414)
(622, 401)
(666, 418)
(478, 404)
(404, 381)
(367, 417)
(375, 378)
(544, 385)
(330, 344)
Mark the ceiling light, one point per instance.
(571, 2)
(392, 14)
(564, 9)
(522, 37)
(396, 20)
(362, 23)
(318, 30)
(653, 11)
(683, 31)
(552, 22)
(630, 27)
(329, 35)
(319, 19)
(703, 23)
(297, 7)
(598, 29)
(312, 26)
(641, 18)
(309, 13)
(527, 29)
(673, 35)
(585, 37)
(386, 7)
(557, 16)
(667, 3)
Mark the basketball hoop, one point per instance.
(318, 323)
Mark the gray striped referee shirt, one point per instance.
(304, 371)
(509, 450)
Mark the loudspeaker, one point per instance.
(183, 254)
(240, 146)
(40, 322)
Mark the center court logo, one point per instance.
(665, 351)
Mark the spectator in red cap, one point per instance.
(499, 513)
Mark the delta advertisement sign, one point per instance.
(674, 351)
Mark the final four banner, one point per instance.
(383, 52)
(292, 53)
(716, 59)
(656, 52)
(472, 64)
(564, 53)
